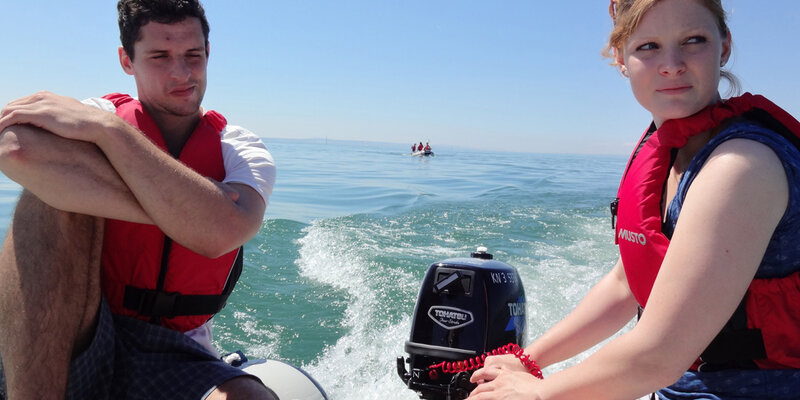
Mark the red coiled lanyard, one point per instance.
(477, 362)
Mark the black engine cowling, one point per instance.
(466, 307)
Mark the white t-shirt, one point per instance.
(247, 161)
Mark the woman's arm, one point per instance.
(727, 220)
(607, 307)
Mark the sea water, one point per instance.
(331, 279)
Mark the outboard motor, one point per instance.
(466, 307)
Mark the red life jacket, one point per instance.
(765, 331)
(144, 273)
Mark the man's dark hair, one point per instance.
(133, 14)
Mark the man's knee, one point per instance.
(243, 387)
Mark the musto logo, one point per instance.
(449, 317)
(633, 237)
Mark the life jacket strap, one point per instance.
(152, 303)
(735, 349)
(736, 345)
(158, 303)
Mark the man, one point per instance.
(107, 208)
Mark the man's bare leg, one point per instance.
(49, 296)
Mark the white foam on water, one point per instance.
(260, 340)
(361, 364)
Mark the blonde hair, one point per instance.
(627, 14)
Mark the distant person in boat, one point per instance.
(427, 146)
(102, 188)
(708, 226)
(419, 146)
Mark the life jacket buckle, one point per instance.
(614, 207)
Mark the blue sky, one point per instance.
(503, 75)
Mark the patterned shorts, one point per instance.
(132, 359)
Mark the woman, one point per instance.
(709, 221)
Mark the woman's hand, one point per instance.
(507, 362)
(498, 382)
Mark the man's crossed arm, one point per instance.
(81, 159)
